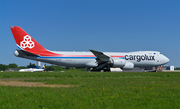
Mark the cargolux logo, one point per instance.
(139, 58)
(27, 42)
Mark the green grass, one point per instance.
(96, 90)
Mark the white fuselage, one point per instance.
(87, 59)
(31, 70)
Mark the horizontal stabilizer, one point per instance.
(26, 53)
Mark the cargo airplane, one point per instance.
(30, 49)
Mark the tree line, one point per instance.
(3, 67)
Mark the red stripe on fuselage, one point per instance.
(117, 56)
(51, 54)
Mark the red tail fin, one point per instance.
(25, 41)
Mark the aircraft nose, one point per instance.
(166, 60)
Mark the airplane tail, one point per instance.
(24, 41)
(43, 67)
(27, 44)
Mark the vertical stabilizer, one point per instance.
(24, 41)
(44, 66)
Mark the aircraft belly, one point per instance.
(145, 64)
(61, 62)
(74, 62)
(68, 62)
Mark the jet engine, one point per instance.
(116, 62)
(128, 65)
(112, 63)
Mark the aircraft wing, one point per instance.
(100, 56)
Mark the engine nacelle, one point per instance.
(128, 65)
(118, 62)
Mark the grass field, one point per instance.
(96, 90)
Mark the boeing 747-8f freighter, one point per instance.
(30, 49)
